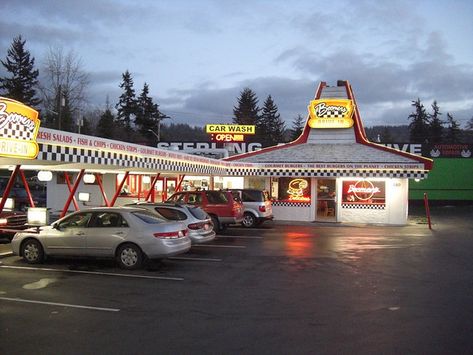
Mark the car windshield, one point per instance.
(148, 217)
(198, 213)
(216, 197)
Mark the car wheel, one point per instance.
(32, 251)
(216, 224)
(249, 220)
(129, 256)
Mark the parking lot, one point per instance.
(281, 288)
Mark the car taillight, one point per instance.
(195, 226)
(262, 208)
(171, 235)
(236, 207)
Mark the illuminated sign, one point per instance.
(331, 113)
(19, 125)
(223, 137)
(364, 192)
(230, 128)
(296, 189)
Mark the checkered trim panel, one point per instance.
(16, 131)
(68, 154)
(290, 204)
(96, 157)
(411, 174)
(361, 206)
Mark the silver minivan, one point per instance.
(257, 206)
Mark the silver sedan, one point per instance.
(198, 222)
(130, 235)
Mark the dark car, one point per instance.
(220, 205)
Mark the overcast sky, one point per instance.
(197, 56)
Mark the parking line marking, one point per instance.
(220, 246)
(93, 273)
(239, 237)
(61, 304)
(196, 259)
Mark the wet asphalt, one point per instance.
(284, 288)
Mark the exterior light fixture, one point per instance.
(10, 204)
(89, 178)
(84, 196)
(45, 175)
(37, 216)
(416, 180)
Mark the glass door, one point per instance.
(326, 200)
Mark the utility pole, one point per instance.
(61, 104)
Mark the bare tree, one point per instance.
(63, 87)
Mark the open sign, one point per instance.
(225, 137)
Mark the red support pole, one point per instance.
(104, 195)
(10, 183)
(27, 188)
(74, 201)
(178, 187)
(427, 209)
(71, 195)
(151, 189)
(119, 188)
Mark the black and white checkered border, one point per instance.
(334, 113)
(67, 154)
(290, 204)
(411, 174)
(364, 206)
(122, 160)
(16, 131)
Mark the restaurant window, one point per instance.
(363, 192)
(292, 189)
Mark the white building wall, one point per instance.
(396, 206)
(57, 194)
(290, 213)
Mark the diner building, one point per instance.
(330, 173)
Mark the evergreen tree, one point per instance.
(453, 134)
(22, 84)
(127, 104)
(271, 127)
(148, 117)
(418, 127)
(106, 125)
(247, 111)
(297, 127)
(435, 125)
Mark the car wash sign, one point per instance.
(229, 132)
(331, 113)
(19, 125)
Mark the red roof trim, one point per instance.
(300, 140)
(360, 133)
(362, 139)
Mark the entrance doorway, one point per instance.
(326, 200)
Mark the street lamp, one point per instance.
(156, 135)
